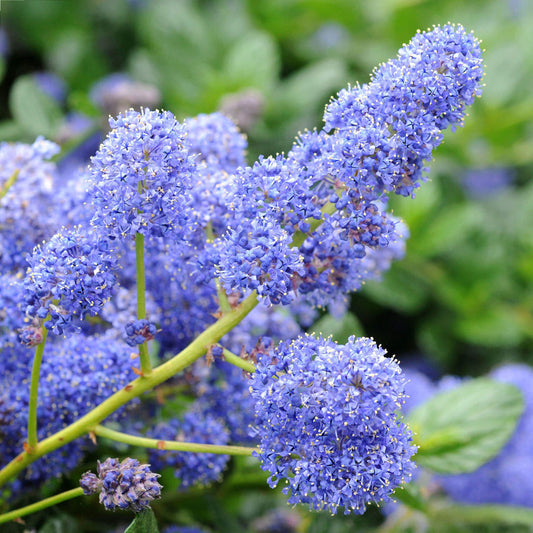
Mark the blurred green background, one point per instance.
(462, 300)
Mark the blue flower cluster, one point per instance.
(122, 485)
(303, 223)
(70, 276)
(141, 177)
(326, 418)
(77, 373)
(389, 128)
(191, 468)
(27, 199)
(303, 230)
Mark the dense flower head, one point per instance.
(27, 199)
(326, 417)
(122, 485)
(141, 177)
(389, 127)
(77, 374)
(70, 276)
(191, 468)
(216, 141)
(259, 256)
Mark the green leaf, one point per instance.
(447, 229)
(2, 68)
(310, 87)
(461, 429)
(253, 61)
(495, 326)
(11, 131)
(33, 110)
(339, 329)
(144, 522)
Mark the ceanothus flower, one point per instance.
(326, 199)
(28, 203)
(70, 276)
(387, 129)
(141, 177)
(139, 331)
(217, 142)
(77, 374)
(122, 485)
(326, 417)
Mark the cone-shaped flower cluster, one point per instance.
(303, 223)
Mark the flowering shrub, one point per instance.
(175, 248)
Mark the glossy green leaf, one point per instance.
(461, 429)
(34, 111)
(144, 522)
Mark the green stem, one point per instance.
(133, 440)
(230, 357)
(87, 423)
(34, 391)
(146, 366)
(43, 504)
(9, 183)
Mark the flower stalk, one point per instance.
(34, 392)
(145, 442)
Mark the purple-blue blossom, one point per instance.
(387, 129)
(28, 205)
(327, 424)
(123, 485)
(303, 223)
(139, 331)
(77, 374)
(142, 176)
(70, 276)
